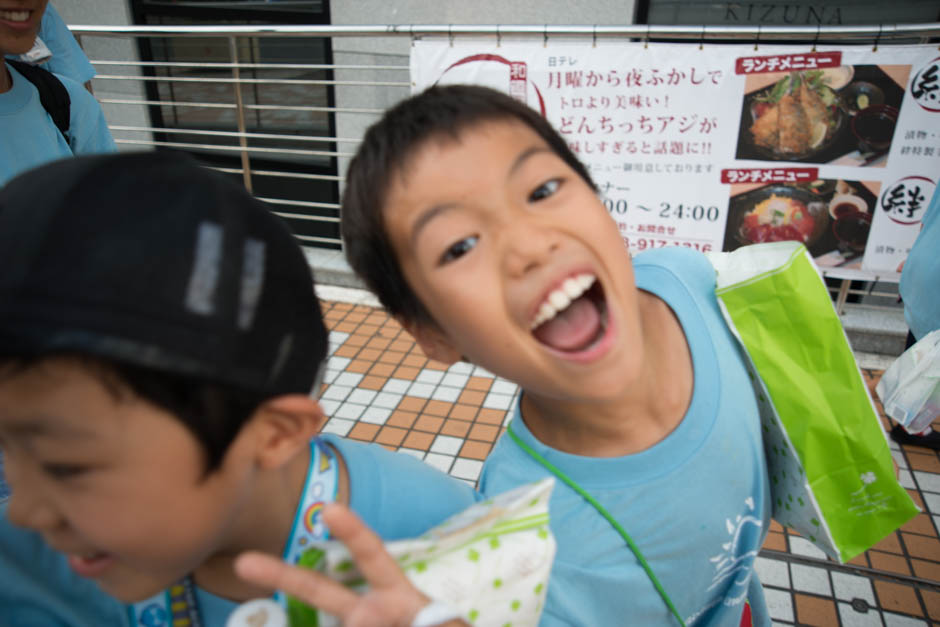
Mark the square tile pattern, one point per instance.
(380, 387)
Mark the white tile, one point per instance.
(927, 481)
(446, 393)
(502, 386)
(899, 459)
(802, 546)
(336, 392)
(338, 363)
(483, 372)
(810, 579)
(936, 522)
(397, 386)
(329, 407)
(338, 426)
(446, 444)
(455, 380)
(900, 620)
(421, 390)
(338, 336)
(772, 572)
(429, 376)
(467, 469)
(774, 623)
(441, 462)
(847, 587)
(350, 410)
(362, 396)
(413, 452)
(894, 446)
(461, 367)
(470, 483)
(851, 618)
(906, 479)
(351, 379)
(387, 400)
(932, 501)
(497, 401)
(779, 604)
(329, 376)
(375, 415)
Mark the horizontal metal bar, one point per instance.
(304, 216)
(322, 240)
(220, 105)
(250, 66)
(282, 151)
(250, 81)
(290, 175)
(235, 134)
(304, 203)
(884, 32)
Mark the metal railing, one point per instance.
(289, 124)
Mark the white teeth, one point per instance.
(561, 298)
(14, 16)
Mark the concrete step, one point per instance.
(878, 331)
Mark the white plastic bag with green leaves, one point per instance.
(831, 472)
(491, 562)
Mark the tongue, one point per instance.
(572, 328)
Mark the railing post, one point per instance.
(843, 296)
(240, 112)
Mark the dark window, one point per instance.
(286, 110)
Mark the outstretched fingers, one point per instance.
(310, 587)
(375, 563)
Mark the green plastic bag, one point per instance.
(831, 474)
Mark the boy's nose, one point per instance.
(528, 247)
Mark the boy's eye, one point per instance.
(63, 471)
(459, 249)
(545, 190)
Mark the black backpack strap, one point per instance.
(52, 93)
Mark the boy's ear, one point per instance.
(284, 425)
(432, 341)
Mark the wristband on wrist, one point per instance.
(435, 613)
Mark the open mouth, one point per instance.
(90, 564)
(573, 317)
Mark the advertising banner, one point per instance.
(717, 146)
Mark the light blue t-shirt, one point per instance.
(30, 137)
(697, 504)
(397, 495)
(920, 277)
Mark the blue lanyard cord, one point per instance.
(603, 512)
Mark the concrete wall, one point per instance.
(394, 51)
(110, 12)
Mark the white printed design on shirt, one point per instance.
(731, 563)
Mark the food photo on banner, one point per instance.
(715, 146)
(844, 115)
(831, 217)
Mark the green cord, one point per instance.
(603, 512)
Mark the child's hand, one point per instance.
(391, 600)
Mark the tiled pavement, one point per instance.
(380, 387)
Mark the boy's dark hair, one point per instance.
(170, 277)
(439, 112)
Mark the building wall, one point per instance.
(110, 12)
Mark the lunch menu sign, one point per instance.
(714, 147)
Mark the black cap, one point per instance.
(151, 259)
